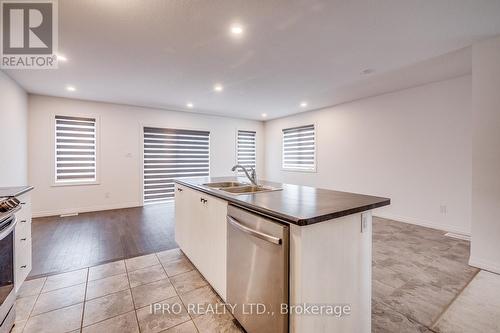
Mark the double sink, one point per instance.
(237, 188)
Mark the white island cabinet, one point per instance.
(331, 268)
(200, 231)
(330, 248)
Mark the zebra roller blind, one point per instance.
(169, 154)
(246, 149)
(75, 149)
(299, 148)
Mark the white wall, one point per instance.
(120, 151)
(485, 243)
(13, 133)
(413, 146)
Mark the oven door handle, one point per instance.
(8, 213)
(4, 233)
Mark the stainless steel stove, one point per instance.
(8, 206)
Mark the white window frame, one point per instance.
(53, 126)
(237, 172)
(313, 170)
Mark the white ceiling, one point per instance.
(163, 54)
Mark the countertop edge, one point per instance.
(285, 218)
(25, 190)
(15, 191)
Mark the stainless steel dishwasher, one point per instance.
(257, 271)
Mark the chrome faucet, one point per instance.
(252, 177)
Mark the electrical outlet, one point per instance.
(107, 195)
(443, 209)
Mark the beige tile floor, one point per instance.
(477, 308)
(419, 276)
(117, 297)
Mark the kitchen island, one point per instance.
(328, 247)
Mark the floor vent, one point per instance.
(457, 236)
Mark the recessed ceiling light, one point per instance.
(62, 58)
(218, 87)
(70, 88)
(368, 71)
(303, 104)
(264, 115)
(190, 105)
(236, 30)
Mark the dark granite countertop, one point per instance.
(301, 205)
(14, 191)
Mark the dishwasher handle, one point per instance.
(255, 233)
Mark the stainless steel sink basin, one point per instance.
(237, 188)
(224, 184)
(249, 189)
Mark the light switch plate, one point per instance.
(364, 222)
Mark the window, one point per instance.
(299, 148)
(75, 148)
(169, 154)
(245, 149)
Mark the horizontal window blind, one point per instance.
(246, 149)
(170, 154)
(299, 148)
(75, 149)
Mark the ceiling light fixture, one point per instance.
(190, 105)
(236, 30)
(303, 104)
(264, 115)
(218, 87)
(62, 58)
(70, 88)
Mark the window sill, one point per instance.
(75, 184)
(299, 170)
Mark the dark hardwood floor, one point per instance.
(69, 243)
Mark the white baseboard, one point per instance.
(96, 208)
(427, 224)
(485, 265)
